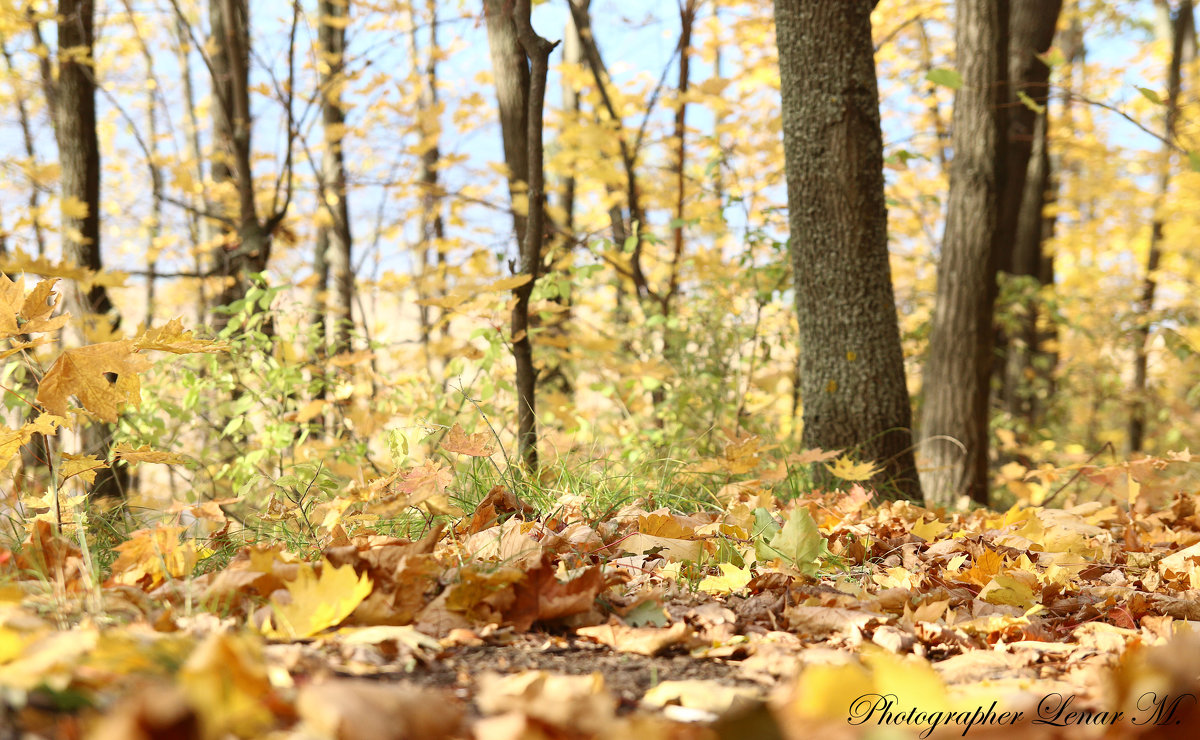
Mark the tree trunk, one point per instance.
(247, 245)
(506, 25)
(1180, 25)
(79, 155)
(433, 229)
(852, 365)
(333, 16)
(1031, 31)
(511, 70)
(954, 425)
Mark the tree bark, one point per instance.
(333, 15)
(511, 71)
(954, 424)
(508, 24)
(79, 156)
(1032, 25)
(246, 248)
(852, 364)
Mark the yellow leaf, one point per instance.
(11, 440)
(310, 410)
(85, 373)
(508, 283)
(18, 261)
(226, 680)
(732, 578)
(84, 466)
(172, 338)
(151, 556)
(845, 469)
(317, 602)
(147, 455)
(21, 314)
(73, 207)
(929, 531)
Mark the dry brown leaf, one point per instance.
(475, 445)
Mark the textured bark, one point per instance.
(1034, 228)
(247, 249)
(507, 24)
(511, 71)
(852, 366)
(687, 18)
(1031, 31)
(79, 156)
(1181, 27)
(332, 35)
(538, 50)
(954, 424)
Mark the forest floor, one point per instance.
(834, 614)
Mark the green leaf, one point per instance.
(1030, 103)
(648, 612)
(1150, 95)
(1052, 58)
(945, 77)
(800, 542)
(630, 244)
(1194, 161)
(765, 528)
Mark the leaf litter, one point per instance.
(743, 622)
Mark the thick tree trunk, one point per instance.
(1181, 25)
(954, 425)
(852, 365)
(333, 15)
(79, 156)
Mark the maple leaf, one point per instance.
(151, 556)
(475, 445)
(318, 602)
(800, 543)
(171, 337)
(85, 466)
(147, 455)
(11, 440)
(21, 314)
(845, 469)
(84, 372)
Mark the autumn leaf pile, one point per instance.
(761, 616)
